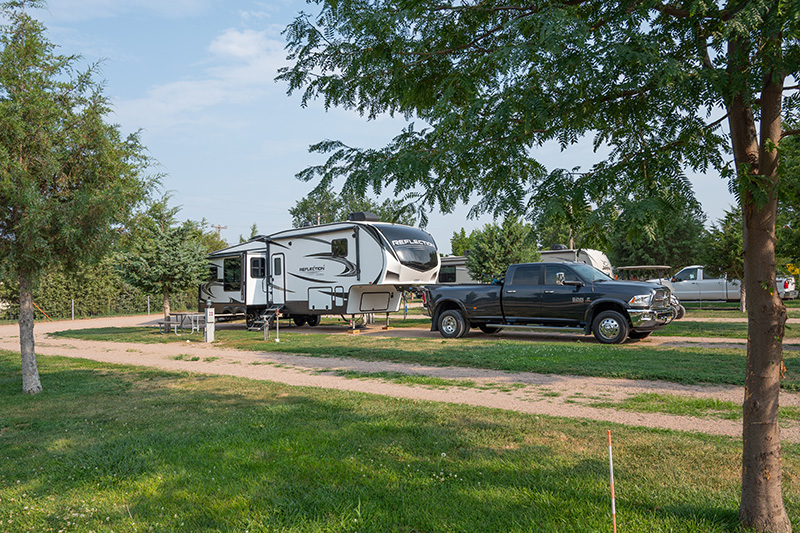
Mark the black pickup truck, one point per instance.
(569, 295)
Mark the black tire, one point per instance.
(610, 327)
(680, 312)
(452, 324)
(299, 320)
(313, 320)
(639, 334)
(489, 330)
(250, 320)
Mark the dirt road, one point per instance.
(554, 395)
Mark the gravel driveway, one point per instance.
(539, 394)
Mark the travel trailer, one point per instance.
(353, 267)
(594, 258)
(454, 270)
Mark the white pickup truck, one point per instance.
(693, 283)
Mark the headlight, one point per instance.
(642, 300)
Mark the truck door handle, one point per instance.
(549, 292)
(511, 291)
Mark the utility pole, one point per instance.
(219, 229)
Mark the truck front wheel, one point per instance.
(452, 324)
(610, 327)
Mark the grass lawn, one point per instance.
(118, 448)
(634, 361)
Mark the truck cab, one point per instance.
(553, 295)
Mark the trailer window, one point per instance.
(447, 274)
(258, 267)
(213, 273)
(415, 248)
(232, 274)
(339, 248)
(276, 266)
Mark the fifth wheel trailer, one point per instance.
(353, 267)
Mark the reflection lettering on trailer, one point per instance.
(408, 242)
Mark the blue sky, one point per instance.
(197, 78)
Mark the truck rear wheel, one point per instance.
(610, 327)
(452, 324)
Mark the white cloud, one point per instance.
(240, 70)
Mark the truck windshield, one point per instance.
(415, 248)
(589, 273)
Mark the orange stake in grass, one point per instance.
(611, 467)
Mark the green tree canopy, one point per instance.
(788, 245)
(723, 246)
(165, 257)
(496, 246)
(461, 243)
(323, 206)
(67, 178)
(636, 238)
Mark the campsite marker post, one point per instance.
(208, 332)
(611, 467)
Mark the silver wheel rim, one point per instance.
(449, 325)
(609, 328)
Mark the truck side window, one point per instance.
(687, 275)
(550, 275)
(526, 275)
(258, 267)
(232, 274)
(339, 248)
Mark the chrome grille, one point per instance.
(661, 299)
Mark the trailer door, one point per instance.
(257, 279)
(277, 280)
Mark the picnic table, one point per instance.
(183, 320)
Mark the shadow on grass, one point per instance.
(176, 451)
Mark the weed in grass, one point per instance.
(550, 394)
(186, 357)
(210, 359)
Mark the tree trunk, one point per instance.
(761, 506)
(30, 371)
(166, 305)
(742, 297)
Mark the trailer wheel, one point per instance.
(299, 320)
(452, 324)
(610, 327)
(489, 330)
(250, 320)
(313, 320)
